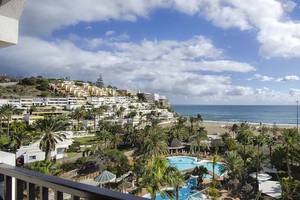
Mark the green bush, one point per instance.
(68, 166)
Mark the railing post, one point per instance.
(8, 188)
(19, 189)
(44, 193)
(59, 195)
(31, 191)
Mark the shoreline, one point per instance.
(251, 123)
(219, 127)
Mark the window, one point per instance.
(31, 157)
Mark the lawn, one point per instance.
(86, 140)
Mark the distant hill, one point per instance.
(25, 87)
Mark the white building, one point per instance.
(57, 101)
(32, 152)
(10, 12)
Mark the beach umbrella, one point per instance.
(261, 176)
(105, 177)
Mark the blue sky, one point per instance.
(193, 51)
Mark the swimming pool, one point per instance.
(184, 192)
(184, 163)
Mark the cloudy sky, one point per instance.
(193, 51)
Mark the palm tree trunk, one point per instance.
(78, 124)
(8, 126)
(257, 163)
(0, 123)
(47, 155)
(153, 195)
(177, 193)
(95, 123)
(288, 162)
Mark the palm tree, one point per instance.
(198, 138)
(78, 114)
(192, 120)
(199, 171)
(270, 141)
(176, 180)
(178, 131)
(8, 111)
(93, 114)
(234, 129)
(259, 141)
(19, 134)
(199, 117)
(245, 137)
(45, 167)
(50, 126)
(2, 116)
(157, 175)
(215, 159)
(290, 137)
(155, 143)
(116, 131)
(234, 165)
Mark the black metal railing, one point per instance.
(32, 185)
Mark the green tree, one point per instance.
(19, 135)
(200, 172)
(8, 111)
(176, 180)
(259, 141)
(154, 144)
(215, 159)
(245, 137)
(78, 114)
(290, 138)
(49, 127)
(198, 138)
(234, 165)
(158, 175)
(290, 188)
(45, 167)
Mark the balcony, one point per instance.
(10, 12)
(19, 183)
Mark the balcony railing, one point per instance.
(19, 183)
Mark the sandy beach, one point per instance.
(217, 127)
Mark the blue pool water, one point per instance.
(185, 192)
(183, 163)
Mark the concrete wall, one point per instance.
(10, 12)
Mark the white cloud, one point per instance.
(278, 34)
(262, 78)
(265, 78)
(110, 33)
(169, 67)
(288, 78)
(294, 92)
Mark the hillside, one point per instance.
(26, 87)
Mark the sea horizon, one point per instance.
(266, 114)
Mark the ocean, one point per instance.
(241, 113)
